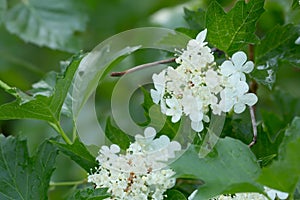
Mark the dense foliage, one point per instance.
(49, 140)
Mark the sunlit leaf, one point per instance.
(231, 31)
(40, 107)
(47, 23)
(78, 153)
(284, 173)
(229, 168)
(21, 176)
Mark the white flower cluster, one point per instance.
(242, 196)
(271, 193)
(141, 173)
(198, 85)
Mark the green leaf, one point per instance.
(21, 176)
(229, 168)
(296, 4)
(284, 173)
(46, 108)
(117, 136)
(3, 7)
(267, 145)
(174, 194)
(195, 19)
(78, 153)
(231, 31)
(277, 46)
(287, 105)
(90, 194)
(48, 23)
(269, 136)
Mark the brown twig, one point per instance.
(253, 89)
(143, 66)
(254, 126)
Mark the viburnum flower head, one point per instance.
(141, 173)
(197, 85)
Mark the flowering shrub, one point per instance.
(214, 125)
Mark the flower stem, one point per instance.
(10, 90)
(59, 129)
(67, 183)
(254, 126)
(253, 89)
(4, 86)
(143, 66)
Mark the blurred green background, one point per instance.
(23, 63)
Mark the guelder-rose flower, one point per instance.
(237, 66)
(141, 173)
(198, 85)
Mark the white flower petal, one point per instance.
(192, 196)
(176, 118)
(250, 99)
(239, 108)
(248, 67)
(201, 36)
(227, 68)
(297, 41)
(242, 87)
(197, 126)
(149, 133)
(196, 115)
(155, 95)
(271, 194)
(282, 195)
(239, 58)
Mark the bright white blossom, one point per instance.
(237, 66)
(242, 196)
(198, 85)
(276, 193)
(141, 173)
(271, 193)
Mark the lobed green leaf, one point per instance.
(47, 108)
(21, 176)
(231, 31)
(47, 23)
(284, 173)
(195, 19)
(78, 153)
(231, 166)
